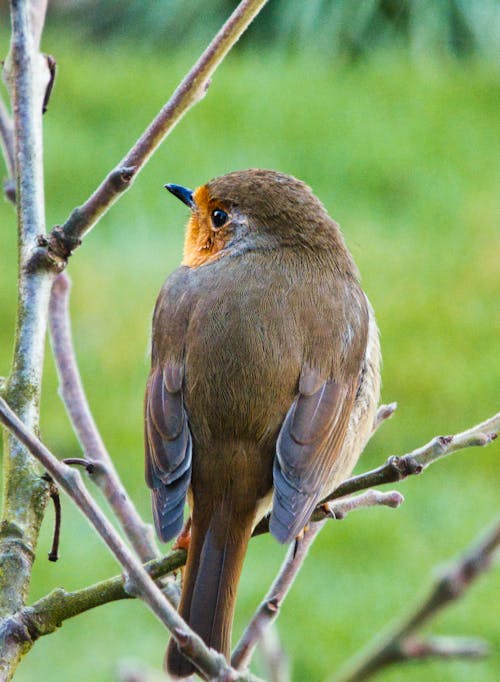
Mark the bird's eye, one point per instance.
(219, 218)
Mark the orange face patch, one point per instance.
(203, 243)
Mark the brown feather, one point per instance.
(259, 341)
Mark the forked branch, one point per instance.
(138, 583)
(269, 608)
(402, 643)
(64, 239)
(49, 613)
(415, 462)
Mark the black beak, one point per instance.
(182, 193)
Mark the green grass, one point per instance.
(405, 157)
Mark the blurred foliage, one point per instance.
(347, 28)
(405, 156)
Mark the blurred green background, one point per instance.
(393, 120)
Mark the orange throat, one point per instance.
(202, 243)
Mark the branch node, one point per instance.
(52, 251)
(404, 466)
(14, 630)
(130, 586)
(182, 637)
(120, 178)
(273, 605)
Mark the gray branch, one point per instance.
(402, 643)
(24, 492)
(138, 583)
(49, 613)
(269, 608)
(7, 145)
(99, 463)
(64, 239)
(398, 468)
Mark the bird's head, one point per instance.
(253, 209)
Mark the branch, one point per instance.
(274, 656)
(402, 644)
(7, 144)
(395, 469)
(47, 614)
(25, 494)
(398, 468)
(417, 648)
(63, 240)
(269, 608)
(212, 664)
(101, 469)
(384, 413)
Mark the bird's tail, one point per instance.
(215, 559)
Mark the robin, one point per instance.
(264, 381)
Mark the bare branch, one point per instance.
(398, 468)
(38, 9)
(274, 656)
(269, 608)
(25, 494)
(416, 648)
(103, 472)
(56, 501)
(63, 240)
(7, 144)
(369, 498)
(138, 582)
(401, 643)
(384, 413)
(49, 613)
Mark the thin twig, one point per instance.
(384, 413)
(103, 471)
(418, 648)
(398, 468)
(138, 582)
(56, 501)
(402, 644)
(52, 66)
(63, 240)
(7, 145)
(269, 608)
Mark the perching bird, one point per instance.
(264, 381)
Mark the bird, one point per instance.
(264, 382)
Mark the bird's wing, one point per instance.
(307, 449)
(167, 447)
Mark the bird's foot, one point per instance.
(184, 537)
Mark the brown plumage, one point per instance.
(263, 385)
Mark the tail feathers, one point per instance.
(215, 560)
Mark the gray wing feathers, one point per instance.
(168, 449)
(308, 444)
